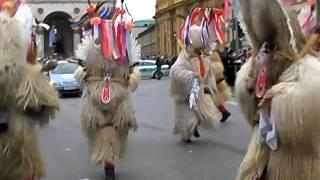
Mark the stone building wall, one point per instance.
(71, 9)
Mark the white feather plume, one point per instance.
(24, 15)
(292, 37)
(134, 51)
(84, 47)
(304, 14)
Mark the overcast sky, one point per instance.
(141, 9)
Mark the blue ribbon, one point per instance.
(104, 12)
(110, 14)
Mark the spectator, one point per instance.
(228, 63)
(159, 62)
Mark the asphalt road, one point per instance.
(153, 152)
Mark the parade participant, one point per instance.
(192, 81)
(278, 92)
(26, 97)
(224, 91)
(110, 54)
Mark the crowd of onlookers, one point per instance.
(232, 62)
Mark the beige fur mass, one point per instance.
(26, 94)
(293, 84)
(297, 124)
(205, 112)
(106, 126)
(218, 71)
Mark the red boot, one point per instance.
(109, 172)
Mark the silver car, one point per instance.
(63, 78)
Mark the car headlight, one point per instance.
(55, 84)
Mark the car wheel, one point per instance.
(158, 75)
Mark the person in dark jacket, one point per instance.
(159, 63)
(228, 63)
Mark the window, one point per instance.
(146, 64)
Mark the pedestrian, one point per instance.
(278, 92)
(159, 62)
(193, 89)
(107, 113)
(26, 97)
(228, 63)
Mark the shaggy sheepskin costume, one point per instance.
(26, 99)
(107, 113)
(188, 69)
(278, 92)
(106, 125)
(218, 71)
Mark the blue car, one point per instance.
(63, 78)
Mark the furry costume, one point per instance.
(26, 100)
(186, 69)
(291, 96)
(218, 71)
(106, 124)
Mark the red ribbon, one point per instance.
(226, 9)
(105, 43)
(218, 16)
(195, 15)
(121, 44)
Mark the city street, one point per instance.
(153, 152)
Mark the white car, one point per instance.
(148, 69)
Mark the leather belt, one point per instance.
(121, 81)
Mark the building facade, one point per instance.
(147, 40)
(141, 25)
(170, 16)
(58, 14)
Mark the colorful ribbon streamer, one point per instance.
(105, 41)
(226, 9)
(121, 42)
(218, 17)
(212, 18)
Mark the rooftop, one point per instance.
(144, 23)
(150, 29)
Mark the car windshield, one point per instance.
(65, 68)
(146, 63)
